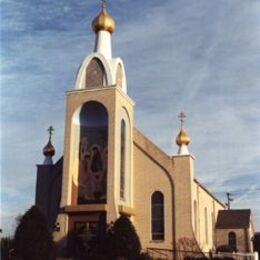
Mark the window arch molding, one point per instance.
(119, 63)
(157, 216)
(81, 76)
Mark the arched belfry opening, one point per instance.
(95, 74)
(93, 149)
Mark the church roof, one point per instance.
(209, 193)
(233, 218)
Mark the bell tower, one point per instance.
(98, 148)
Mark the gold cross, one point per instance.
(50, 130)
(181, 116)
(104, 2)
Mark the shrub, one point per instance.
(225, 248)
(6, 246)
(33, 239)
(122, 240)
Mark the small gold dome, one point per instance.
(182, 138)
(48, 150)
(103, 22)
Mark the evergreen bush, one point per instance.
(122, 240)
(33, 239)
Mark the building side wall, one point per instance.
(183, 177)
(241, 235)
(204, 216)
(149, 177)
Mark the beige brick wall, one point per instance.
(150, 176)
(205, 216)
(154, 170)
(222, 238)
(244, 238)
(183, 178)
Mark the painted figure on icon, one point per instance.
(92, 155)
(92, 173)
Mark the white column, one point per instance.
(103, 44)
(183, 150)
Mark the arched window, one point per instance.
(93, 120)
(213, 226)
(95, 74)
(206, 224)
(122, 160)
(232, 240)
(195, 218)
(157, 216)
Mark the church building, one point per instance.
(110, 168)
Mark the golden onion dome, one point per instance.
(48, 150)
(182, 138)
(103, 22)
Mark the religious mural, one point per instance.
(93, 154)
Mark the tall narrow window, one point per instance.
(232, 240)
(195, 218)
(122, 161)
(206, 225)
(213, 226)
(157, 216)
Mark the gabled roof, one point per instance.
(233, 218)
(209, 193)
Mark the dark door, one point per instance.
(85, 234)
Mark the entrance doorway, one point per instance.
(85, 233)
(86, 238)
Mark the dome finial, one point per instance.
(182, 139)
(103, 22)
(49, 149)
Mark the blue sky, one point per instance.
(201, 57)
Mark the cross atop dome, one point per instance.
(104, 3)
(182, 116)
(50, 131)
(49, 149)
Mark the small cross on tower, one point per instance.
(50, 131)
(182, 116)
(104, 2)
